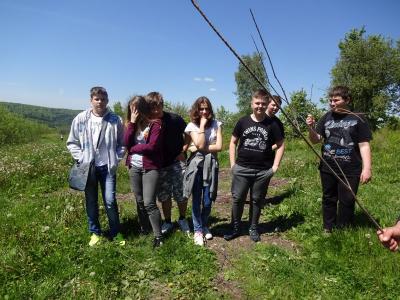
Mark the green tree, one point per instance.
(298, 109)
(117, 108)
(245, 83)
(370, 67)
(179, 108)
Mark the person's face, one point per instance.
(157, 111)
(204, 110)
(99, 104)
(258, 106)
(272, 108)
(337, 103)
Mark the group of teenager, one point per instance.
(167, 158)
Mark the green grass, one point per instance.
(44, 237)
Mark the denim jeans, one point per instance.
(107, 185)
(201, 202)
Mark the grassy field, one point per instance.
(44, 238)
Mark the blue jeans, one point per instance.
(107, 185)
(201, 202)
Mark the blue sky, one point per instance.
(52, 52)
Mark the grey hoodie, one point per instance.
(80, 142)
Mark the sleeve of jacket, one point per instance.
(73, 142)
(154, 143)
(129, 136)
(120, 140)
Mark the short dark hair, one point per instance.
(98, 91)
(276, 98)
(154, 99)
(340, 91)
(260, 94)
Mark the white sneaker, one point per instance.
(166, 227)
(198, 238)
(184, 226)
(207, 233)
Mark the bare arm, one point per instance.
(278, 156)
(198, 138)
(232, 150)
(217, 147)
(312, 134)
(365, 151)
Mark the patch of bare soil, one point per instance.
(225, 251)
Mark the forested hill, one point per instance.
(53, 117)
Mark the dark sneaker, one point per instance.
(254, 235)
(166, 227)
(157, 242)
(233, 235)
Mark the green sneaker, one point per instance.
(120, 239)
(94, 239)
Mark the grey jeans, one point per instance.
(144, 186)
(244, 179)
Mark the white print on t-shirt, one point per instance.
(339, 144)
(255, 138)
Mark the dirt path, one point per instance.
(226, 252)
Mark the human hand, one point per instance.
(203, 122)
(390, 237)
(310, 121)
(365, 176)
(134, 114)
(274, 169)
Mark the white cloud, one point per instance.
(206, 79)
(212, 89)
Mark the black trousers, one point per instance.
(333, 191)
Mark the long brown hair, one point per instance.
(195, 111)
(142, 107)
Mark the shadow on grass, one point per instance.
(279, 198)
(131, 228)
(362, 220)
(280, 224)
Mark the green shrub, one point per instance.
(15, 129)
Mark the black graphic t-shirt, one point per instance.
(255, 142)
(341, 134)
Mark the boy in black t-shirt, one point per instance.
(345, 136)
(255, 163)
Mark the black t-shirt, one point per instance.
(255, 142)
(280, 124)
(341, 134)
(174, 127)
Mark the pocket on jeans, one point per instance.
(233, 169)
(269, 173)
